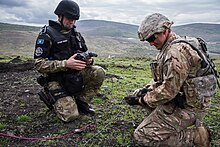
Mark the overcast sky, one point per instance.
(37, 12)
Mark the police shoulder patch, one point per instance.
(38, 51)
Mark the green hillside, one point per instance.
(15, 27)
(210, 32)
(104, 37)
(107, 28)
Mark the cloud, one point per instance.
(133, 12)
(27, 11)
(13, 3)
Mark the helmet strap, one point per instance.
(61, 20)
(167, 37)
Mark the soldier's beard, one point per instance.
(67, 27)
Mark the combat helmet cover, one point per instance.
(154, 23)
(69, 9)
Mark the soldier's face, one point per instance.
(68, 23)
(159, 41)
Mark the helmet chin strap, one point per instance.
(61, 22)
(167, 37)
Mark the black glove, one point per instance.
(180, 100)
(132, 100)
(141, 91)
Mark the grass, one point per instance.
(2, 126)
(5, 59)
(135, 73)
(23, 118)
(115, 120)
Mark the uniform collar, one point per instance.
(57, 25)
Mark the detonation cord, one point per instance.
(50, 138)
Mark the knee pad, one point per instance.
(100, 72)
(66, 109)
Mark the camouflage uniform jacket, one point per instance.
(176, 63)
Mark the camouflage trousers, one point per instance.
(168, 126)
(66, 107)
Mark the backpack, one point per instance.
(200, 46)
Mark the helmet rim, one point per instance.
(69, 9)
(154, 23)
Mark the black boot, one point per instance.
(83, 107)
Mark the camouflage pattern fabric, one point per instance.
(175, 63)
(44, 65)
(93, 77)
(65, 107)
(152, 24)
(168, 124)
(199, 91)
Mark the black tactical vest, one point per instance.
(63, 45)
(60, 48)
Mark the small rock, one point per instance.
(26, 91)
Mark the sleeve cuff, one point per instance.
(145, 103)
(142, 102)
(63, 65)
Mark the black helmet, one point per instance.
(68, 8)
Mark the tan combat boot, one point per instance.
(202, 137)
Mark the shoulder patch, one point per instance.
(40, 41)
(38, 51)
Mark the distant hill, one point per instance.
(104, 37)
(15, 27)
(107, 28)
(210, 32)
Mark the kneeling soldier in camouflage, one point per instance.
(180, 93)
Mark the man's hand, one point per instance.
(75, 64)
(132, 100)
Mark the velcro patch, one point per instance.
(62, 41)
(40, 41)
